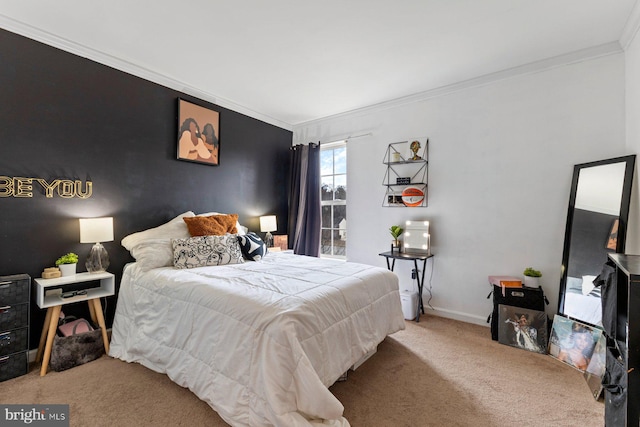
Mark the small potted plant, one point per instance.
(396, 231)
(67, 264)
(531, 277)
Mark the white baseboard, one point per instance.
(456, 315)
(32, 355)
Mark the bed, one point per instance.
(583, 300)
(589, 250)
(259, 341)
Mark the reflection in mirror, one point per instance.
(596, 226)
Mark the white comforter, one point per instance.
(260, 342)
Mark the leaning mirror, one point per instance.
(596, 226)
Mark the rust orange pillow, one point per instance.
(214, 225)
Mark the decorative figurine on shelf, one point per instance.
(415, 146)
(51, 273)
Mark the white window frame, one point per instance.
(324, 147)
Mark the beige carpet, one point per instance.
(438, 372)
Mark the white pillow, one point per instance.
(587, 284)
(152, 248)
(242, 230)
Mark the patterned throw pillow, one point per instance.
(252, 246)
(214, 225)
(201, 251)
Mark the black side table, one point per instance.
(419, 277)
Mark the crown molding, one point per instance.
(631, 28)
(78, 49)
(578, 56)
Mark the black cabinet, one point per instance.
(621, 321)
(14, 325)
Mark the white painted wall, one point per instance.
(632, 73)
(501, 159)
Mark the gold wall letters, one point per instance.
(18, 186)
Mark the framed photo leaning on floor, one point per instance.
(522, 328)
(573, 342)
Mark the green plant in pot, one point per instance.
(532, 277)
(67, 264)
(396, 231)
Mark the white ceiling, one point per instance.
(293, 61)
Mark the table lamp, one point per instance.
(268, 224)
(96, 230)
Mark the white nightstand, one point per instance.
(48, 296)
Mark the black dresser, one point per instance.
(14, 325)
(621, 323)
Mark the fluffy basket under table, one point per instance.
(75, 350)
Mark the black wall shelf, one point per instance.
(406, 176)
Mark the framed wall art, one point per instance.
(573, 342)
(280, 241)
(612, 240)
(198, 133)
(522, 328)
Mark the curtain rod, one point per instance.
(293, 147)
(337, 140)
(358, 136)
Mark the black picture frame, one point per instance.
(198, 139)
(612, 240)
(522, 328)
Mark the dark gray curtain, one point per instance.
(304, 200)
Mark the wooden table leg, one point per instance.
(92, 312)
(43, 335)
(98, 311)
(53, 325)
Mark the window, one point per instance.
(333, 194)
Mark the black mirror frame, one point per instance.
(624, 214)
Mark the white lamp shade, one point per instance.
(94, 230)
(268, 223)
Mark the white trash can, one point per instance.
(409, 301)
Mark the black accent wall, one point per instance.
(66, 117)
